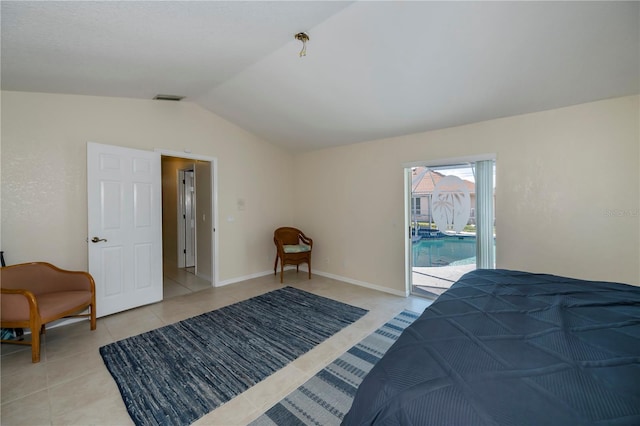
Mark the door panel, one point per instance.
(125, 213)
(142, 206)
(111, 268)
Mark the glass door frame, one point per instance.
(407, 169)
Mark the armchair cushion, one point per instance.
(296, 248)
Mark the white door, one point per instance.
(125, 226)
(190, 219)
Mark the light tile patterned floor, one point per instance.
(71, 385)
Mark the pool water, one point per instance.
(444, 251)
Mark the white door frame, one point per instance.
(214, 201)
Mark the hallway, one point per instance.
(180, 281)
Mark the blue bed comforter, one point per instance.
(512, 348)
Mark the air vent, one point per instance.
(167, 98)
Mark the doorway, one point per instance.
(450, 221)
(132, 217)
(188, 222)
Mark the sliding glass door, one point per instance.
(451, 223)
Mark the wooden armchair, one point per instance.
(292, 248)
(34, 294)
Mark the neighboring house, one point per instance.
(423, 185)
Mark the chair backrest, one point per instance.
(41, 278)
(287, 235)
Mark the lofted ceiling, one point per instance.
(373, 69)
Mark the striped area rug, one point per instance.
(176, 374)
(326, 397)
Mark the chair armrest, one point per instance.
(66, 280)
(279, 244)
(308, 241)
(17, 304)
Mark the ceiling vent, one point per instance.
(167, 98)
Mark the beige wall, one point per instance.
(204, 219)
(567, 194)
(44, 200)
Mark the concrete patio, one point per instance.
(433, 281)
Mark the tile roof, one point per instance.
(430, 179)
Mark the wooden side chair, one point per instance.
(35, 294)
(292, 248)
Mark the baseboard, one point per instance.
(67, 321)
(362, 283)
(245, 277)
(321, 273)
(58, 323)
(204, 277)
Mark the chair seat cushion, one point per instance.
(51, 304)
(296, 248)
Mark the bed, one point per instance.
(506, 347)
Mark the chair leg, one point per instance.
(35, 343)
(275, 265)
(93, 316)
(35, 347)
(309, 263)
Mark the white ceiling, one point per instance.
(373, 69)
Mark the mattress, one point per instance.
(506, 347)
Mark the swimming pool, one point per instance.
(444, 251)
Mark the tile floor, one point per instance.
(71, 385)
(181, 281)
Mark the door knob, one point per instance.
(97, 240)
